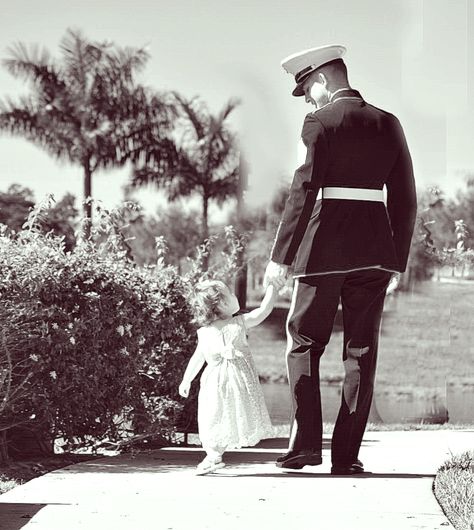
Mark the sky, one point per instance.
(413, 58)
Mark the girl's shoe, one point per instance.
(209, 465)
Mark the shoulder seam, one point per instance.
(381, 110)
(313, 114)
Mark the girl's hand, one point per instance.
(184, 389)
(275, 272)
(278, 283)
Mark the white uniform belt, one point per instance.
(355, 194)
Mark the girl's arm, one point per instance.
(255, 317)
(195, 364)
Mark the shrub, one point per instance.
(454, 489)
(92, 346)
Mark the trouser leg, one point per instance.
(309, 326)
(362, 297)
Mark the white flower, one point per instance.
(34, 357)
(141, 340)
(128, 327)
(53, 375)
(70, 325)
(124, 351)
(120, 330)
(72, 340)
(55, 325)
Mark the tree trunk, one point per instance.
(241, 280)
(87, 195)
(205, 226)
(4, 456)
(205, 216)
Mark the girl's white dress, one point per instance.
(231, 408)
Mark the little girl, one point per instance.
(231, 407)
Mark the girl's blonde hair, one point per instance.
(207, 297)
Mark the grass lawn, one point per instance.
(427, 340)
(454, 489)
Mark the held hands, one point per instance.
(275, 274)
(184, 389)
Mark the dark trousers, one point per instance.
(309, 327)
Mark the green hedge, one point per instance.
(90, 343)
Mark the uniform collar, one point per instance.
(343, 93)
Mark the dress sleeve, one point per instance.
(200, 340)
(241, 320)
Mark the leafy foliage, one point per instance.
(443, 237)
(454, 489)
(92, 345)
(61, 218)
(207, 159)
(87, 108)
(173, 224)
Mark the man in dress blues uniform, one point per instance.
(343, 244)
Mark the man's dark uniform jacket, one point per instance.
(350, 144)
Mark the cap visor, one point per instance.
(298, 91)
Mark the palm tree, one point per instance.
(207, 158)
(87, 108)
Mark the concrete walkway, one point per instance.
(158, 490)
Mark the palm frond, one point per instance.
(24, 61)
(24, 119)
(223, 188)
(131, 60)
(36, 66)
(229, 107)
(88, 107)
(197, 117)
(78, 56)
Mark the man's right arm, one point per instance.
(303, 192)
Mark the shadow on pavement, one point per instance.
(183, 459)
(303, 474)
(14, 516)
(282, 443)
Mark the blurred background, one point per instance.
(183, 110)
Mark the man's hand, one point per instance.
(275, 274)
(184, 389)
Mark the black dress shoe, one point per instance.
(358, 464)
(353, 469)
(299, 459)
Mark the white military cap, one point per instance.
(302, 64)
